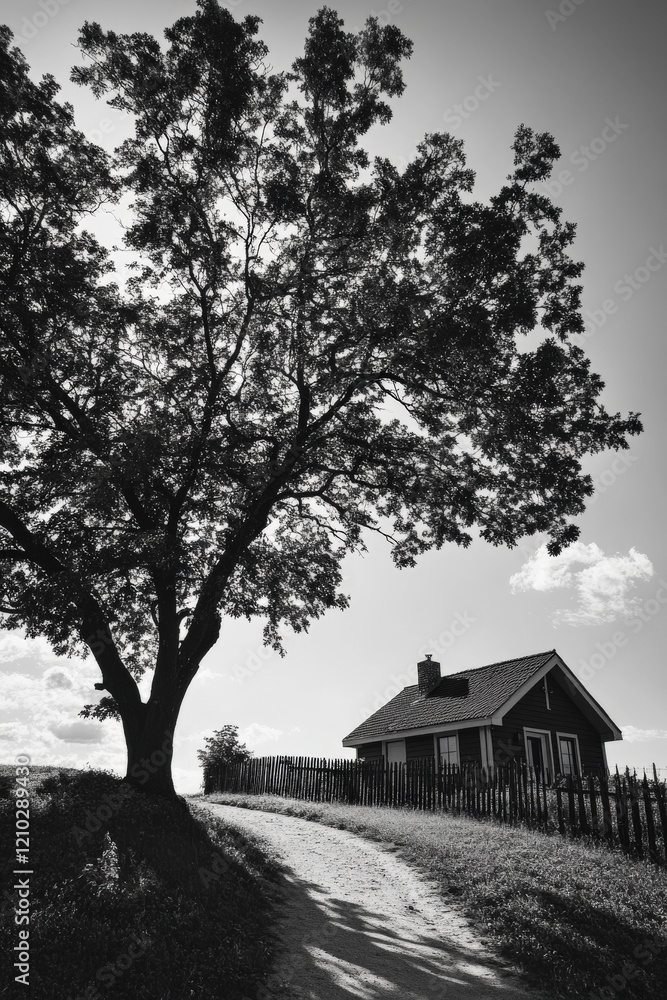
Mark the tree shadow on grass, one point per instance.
(584, 935)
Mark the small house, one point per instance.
(531, 709)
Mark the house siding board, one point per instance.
(470, 748)
(505, 745)
(417, 747)
(563, 717)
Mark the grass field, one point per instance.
(134, 897)
(579, 921)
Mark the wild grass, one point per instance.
(137, 897)
(578, 921)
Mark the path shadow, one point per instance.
(343, 950)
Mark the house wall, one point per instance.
(370, 751)
(470, 751)
(563, 716)
(418, 746)
(470, 748)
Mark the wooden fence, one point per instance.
(623, 811)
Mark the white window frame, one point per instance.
(442, 736)
(530, 731)
(486, 746)
(575, 739)
(604, 757)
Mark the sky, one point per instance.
(591, 72)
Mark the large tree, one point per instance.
(309, 346)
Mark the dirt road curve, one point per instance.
(360, 924)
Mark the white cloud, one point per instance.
(42, 695)
(634, 735)
(256, 734)
(602, 584)
(545, 572)
(58, 677)
(205, 674)
(79, 732)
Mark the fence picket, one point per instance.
(594, 807)
(650, 824)
(583, 818)
(662, 807)
(636, 816)
(608, 829)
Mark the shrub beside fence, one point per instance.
(623, 811)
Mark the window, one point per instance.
(448, 751)
(568, 752)
(396, 752)
(538, 752)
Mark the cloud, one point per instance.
(545, 572)
(205, 674)
(79, 732)
(634, 735)
(14, 732)
(58, 677)
(256, 734)
(42, 695)
(602, 584)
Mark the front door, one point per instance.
(538, 755)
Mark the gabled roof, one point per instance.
(488, 689)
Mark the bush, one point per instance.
(139, 894)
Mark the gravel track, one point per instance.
(358, 923)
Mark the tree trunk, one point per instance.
(149, 728)
(150, 750)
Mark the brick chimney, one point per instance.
(428, 674)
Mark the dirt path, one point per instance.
(360, 924)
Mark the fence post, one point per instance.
(636, 816)
(608, 829)
(583, 818)
(621, 806)
(594, 808)
(572, 820)
(559, 807)
(662, 807)
(650, 824)
(538, 796)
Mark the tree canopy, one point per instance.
(309, 345)
(223, 748)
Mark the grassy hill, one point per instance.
(135, 895)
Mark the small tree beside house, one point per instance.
(221, 749)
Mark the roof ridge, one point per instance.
(500, 663)
(485, 666)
